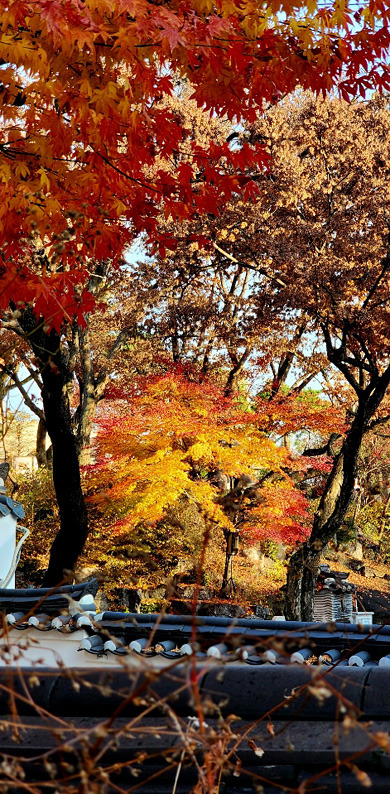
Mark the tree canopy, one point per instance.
(312, 251)
(176, 432)
(175, 439)
(86, 139)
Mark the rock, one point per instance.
(180, 607)
(187, 591)
(281, 552)
(369, 572)
(262, 612)
(331, 555)
(359, 550)
(221, 610)
(354, 548)
(357, 566)
(102, 602)
(155, 594)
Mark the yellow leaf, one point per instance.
(43, 181)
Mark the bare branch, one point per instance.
(385, 268)
(26, 397)
(336, 355)
(377, 422)
(13, 325)
(250, 266)
(326, 449)
(301, 383)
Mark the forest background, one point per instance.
(238, 372)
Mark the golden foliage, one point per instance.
(173, 437)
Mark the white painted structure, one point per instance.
(9, 551)
(40, 649)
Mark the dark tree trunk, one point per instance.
(334, 503)
(301, 583)
(56, 377)
(226, 579)
(303, 564)
(238, 364)
(232, 542)
(73, 531)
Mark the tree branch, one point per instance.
(26, 397)
(326, 449)
(335, 357)
(249, 266)
(385, 268)
(377, 422)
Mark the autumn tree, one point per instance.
(343, 179)
(205, 305)
(85, 138)
(176, 435)
(317, 238)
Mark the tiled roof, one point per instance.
(250, 641)
(54, 599)
(254, 669)
(66, 609)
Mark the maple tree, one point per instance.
(85, 134)
(316, 240)
(176, 435)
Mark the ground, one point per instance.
(373, 588)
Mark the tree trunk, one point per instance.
(73, 531)
(41, 444)
(85, 429)
(334, 503)
(91, 392)
(56, 376)
(301, 583)
(225, 578)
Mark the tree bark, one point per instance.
(41, 444)
(73, 531)
(88, 400)
(303, 564)
(91, 392)
(334, 503)
(301, 583)
(56, 376)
